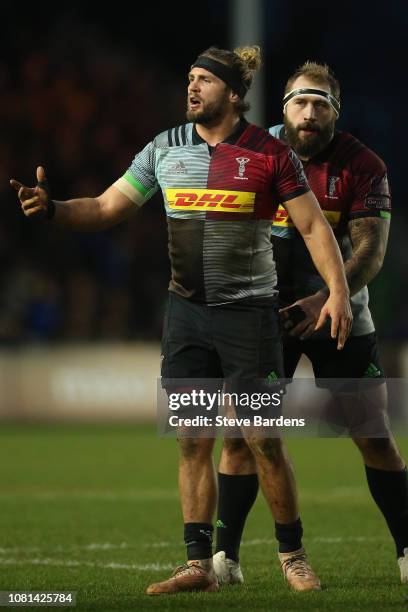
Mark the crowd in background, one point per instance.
(82, 105)
(82, 116)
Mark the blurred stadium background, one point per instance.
(82, 91)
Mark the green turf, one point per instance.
(81, 506)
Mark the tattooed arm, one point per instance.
(369, 236)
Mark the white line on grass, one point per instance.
(321, 539)
(262, 541)
(153, 567)
(105, 546)
(96, 546)
(336, 540)
(146, 567)
(91, 547)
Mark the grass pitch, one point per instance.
(95, 510)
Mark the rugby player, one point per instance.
(220, 178)
(350, 183)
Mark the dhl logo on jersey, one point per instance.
(281, 217)
(211, 199)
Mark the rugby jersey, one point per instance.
(349, 181)
(219, 203)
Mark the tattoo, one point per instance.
(368, 237)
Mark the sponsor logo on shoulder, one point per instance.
(378, 197)
(242, 162)
(376, 203)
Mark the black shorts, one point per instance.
(355, 377)
(240, 340)
(234, 348)
(360, 357)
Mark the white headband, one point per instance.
(310, 91)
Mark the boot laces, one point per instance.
(186, 568)
(297, 565)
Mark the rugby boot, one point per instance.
(298, 573)
(189, 577)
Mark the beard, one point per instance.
(210, 114)
(310, 145)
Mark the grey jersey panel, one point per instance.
(238, 260)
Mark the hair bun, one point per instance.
(250, 55)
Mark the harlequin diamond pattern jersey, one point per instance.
(219, 203)
(349, 181)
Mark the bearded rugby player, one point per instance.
(350, 183)
(221, 178)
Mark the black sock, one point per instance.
(236, 496)
(390, 492)
(289, 536)
(198, 539)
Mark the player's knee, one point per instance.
(267, 448)
(195, 448)
(235, 446)
(237, 456)
(374, 445)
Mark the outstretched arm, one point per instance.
(97, 213)
(324, 250)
